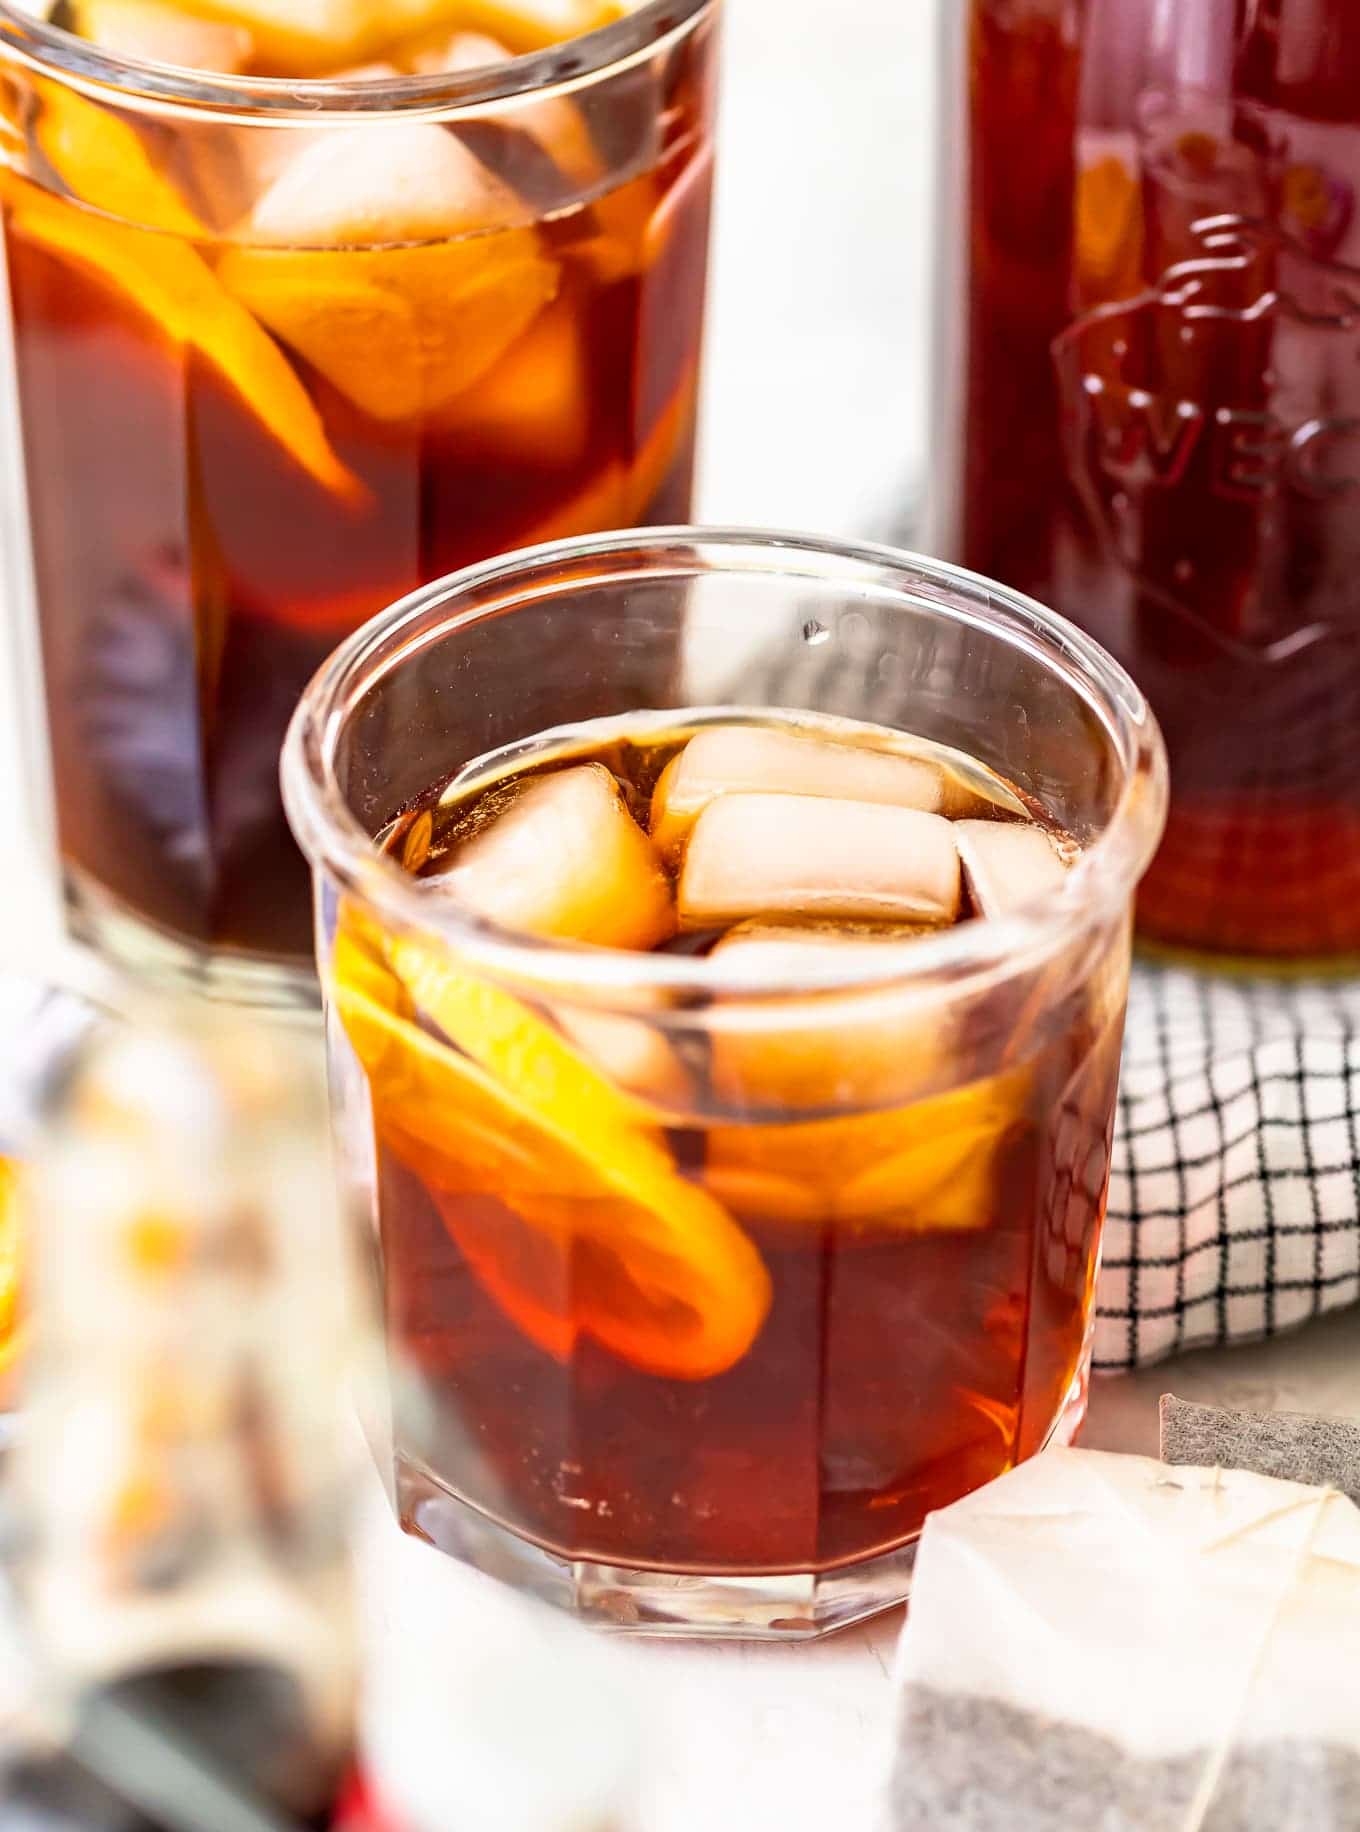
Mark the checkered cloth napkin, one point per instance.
(1235, 1191)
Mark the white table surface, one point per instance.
(816, 367)
(769, 1738)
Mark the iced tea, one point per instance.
(747, 1279)
(287, 350)
(1159, 411)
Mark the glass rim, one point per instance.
(591, 54)
(334, 840)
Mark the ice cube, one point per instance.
(632, 1052)
(874, 1047)
(321, 37)
(784, 951)
(732, 759)
(375, 71)
(298, 37)
(1007, 864)
(385, 182)
(803, 855)
(567, 860)
(400, 330)
(453, 51)
(164, 35)
(531, 25)
(555, 123)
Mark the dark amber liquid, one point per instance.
(1161, 414)
(191, 576)
(897, 1368)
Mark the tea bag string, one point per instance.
(1212, 1774)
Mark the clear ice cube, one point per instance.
(1007, 864)
(301, 37)
(871, 1047)
(737, 759)
(403, 329)
(164, 35)
(801, 855)
(531, 25)
(632, 1052)
(568, 861)
(554, 122)
(384, 182)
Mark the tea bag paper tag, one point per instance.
(1098, 1640)
(1297, 1446)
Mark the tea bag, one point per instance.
(1299, 1446)
(1102, 1641)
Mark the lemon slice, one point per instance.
(564, 1201)
(104, 163)
(177, 289)
(1109, 229)
(925, 1167)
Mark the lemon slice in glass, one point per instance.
(564, 1200)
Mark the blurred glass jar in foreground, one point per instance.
(355, 299)
(1153, 409)
(726, 1051)
(179, 1496)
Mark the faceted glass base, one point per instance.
(151, 955)
(781, 1606)
(790, 1606)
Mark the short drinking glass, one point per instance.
(724, 1027)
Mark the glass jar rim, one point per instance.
(279, 98)
(1104, 877)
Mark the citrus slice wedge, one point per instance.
(175, 287)
(916, 1169)
(565, 1202)
(104, 163)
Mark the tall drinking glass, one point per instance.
(705, 1280)
(285, 346)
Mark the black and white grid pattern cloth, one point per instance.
(1235, 1192)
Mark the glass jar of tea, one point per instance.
(1152, 410)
